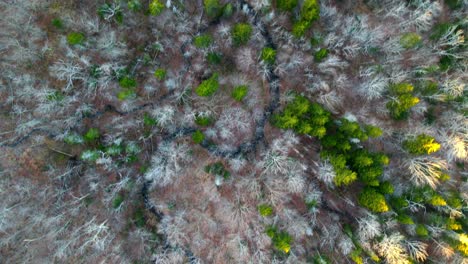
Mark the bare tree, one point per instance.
(425, 170)
(391, 248)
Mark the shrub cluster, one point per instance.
(303, 117)
(341, 140)
(349, 160)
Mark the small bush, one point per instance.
(405, 219)
(421, 145)
(386, 188)
(320, 55)
(453, 224)
(114, 150)
(204, 120)
(268, 55)
(132, 148)
(300, 27)
(344, 176)
(156, 7)
(73, 139)
(444, 177)
(91, 135)
(198, 137)
(422, 231)
(399, 108)
(90, 155)
(160, 74)
(265, 210)
(315, 40)
(420, 194)
(403, 100)
(213, 58)
(118, 200)
(321, 259)
(241, 33)
(108, 11)
(401, 88)
(134, 5)
(310, 12)
(462, 245)
(398, 203)
(446, 63)
(439, 30)
(127, 82)
(88, 200)
(286, 5)
(208, 87)
(454, 4)
(76, 38)
(410, 40)
(228, 10)
(130, 158)
(148, 120)
(95, 71)
(126, 94)
(311, 204)
(437, 200)
(356, 256)
(57, 23)
(430, 116)
(55, 96)
(281, 239)
(218, 169)
(203, 41)
(239, 92)
(213, 8)
(139, 218)
(373, 131)
(429, 88)
(373, 200)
